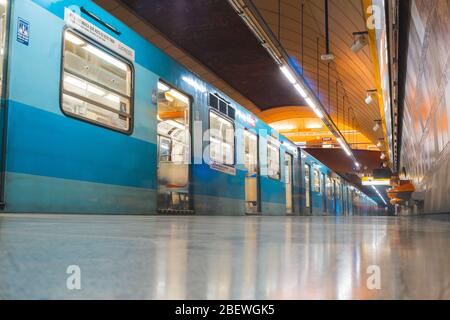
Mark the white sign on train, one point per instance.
(75, 21)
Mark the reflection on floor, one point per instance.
(163, 257)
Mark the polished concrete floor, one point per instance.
(165, 257)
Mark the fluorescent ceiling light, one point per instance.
(113, 98)
(75, 82)
(288, 74)
(73, 38)
(84, 86)
(310, 103)
(376, 190)
(376, 182)
(318, 113)
(162, 86)
(344, 147)
(95, 90)
(300, 90)
(108, 58)
(179, 96)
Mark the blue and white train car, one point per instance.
(324, 192)
(95, 119)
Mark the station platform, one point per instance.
(204, 257)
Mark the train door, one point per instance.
(3, 43)
(330, 201)
(335, 198)
(4, 28)
(251, 177)
(173, 142)
(324, 193)
(347, 201)
(288, 176)
(308, 189)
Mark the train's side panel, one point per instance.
(316, 199)
(350, 202)
(219, 193)
(272, 191)
(72, 159)
(79, 167)
(75, 166)
(298, 188)
(56, 163)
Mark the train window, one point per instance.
(96, 85)
(3, 26)
(329, 188)
(173, 125)
(316, 181)
(307, 185)
(338, 190)
(273, 158)
(322, 183)
(221, 139)
(165, 149)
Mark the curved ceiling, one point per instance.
(210, 39)
(302, 126)
(350, 74)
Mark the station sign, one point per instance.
(75, 21)
(371, 181)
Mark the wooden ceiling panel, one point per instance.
(354, 71)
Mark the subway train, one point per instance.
(97, 120)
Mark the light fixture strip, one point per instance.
(379, 194)
(247, 11)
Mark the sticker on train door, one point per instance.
(23, 31)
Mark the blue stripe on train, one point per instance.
(46, 144)
(31, 193)
(67, 148)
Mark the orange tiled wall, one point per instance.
(426, 122)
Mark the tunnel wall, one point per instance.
(426, 118)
